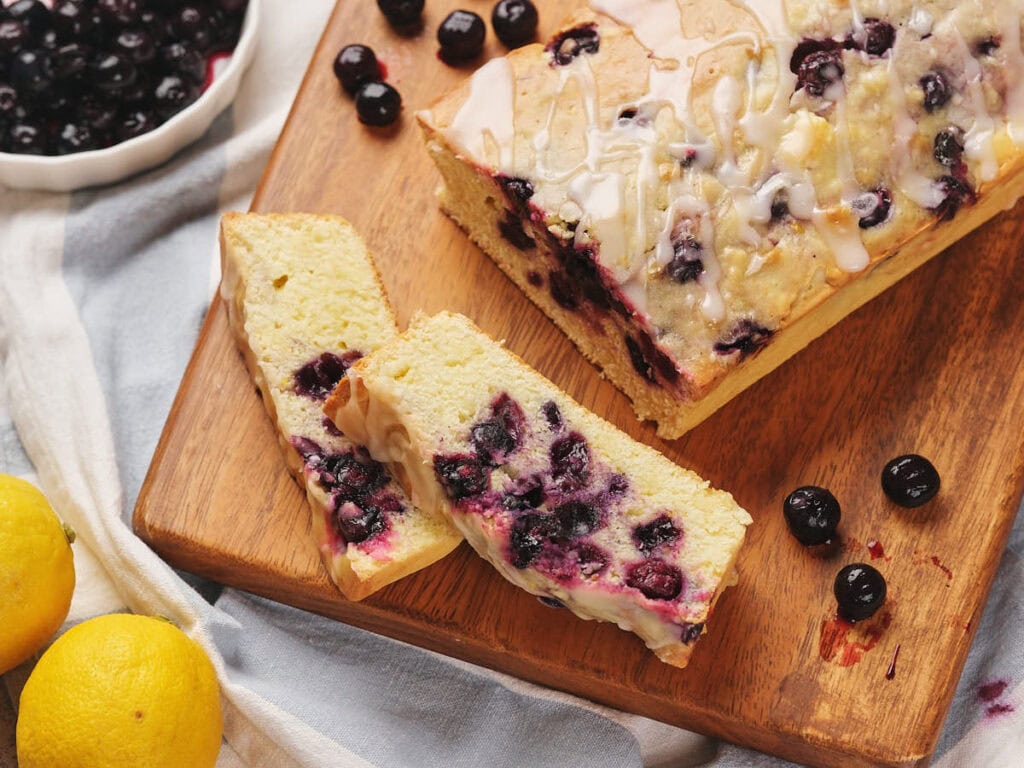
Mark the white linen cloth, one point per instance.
(101, 296)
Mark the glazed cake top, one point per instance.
(730, 163)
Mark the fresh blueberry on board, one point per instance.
(859, 590)
(910, 480)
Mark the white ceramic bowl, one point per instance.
(64, 173)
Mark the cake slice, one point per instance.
(559, 501)
(305, 302)
(694, 192)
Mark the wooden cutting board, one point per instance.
(932, 366)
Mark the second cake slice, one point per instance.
(559, 501)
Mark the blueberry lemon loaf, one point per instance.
(305, 302)
(560, 502)
(694, 191)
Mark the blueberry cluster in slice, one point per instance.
(361, 502)
(87, 74)
(556, 503)
(361, 76)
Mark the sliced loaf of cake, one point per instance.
(305, 302)
(563, 504)
(695, 191)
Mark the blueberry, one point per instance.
(636, 356)
(191, 25)
(527, 538)
(859, 590)
(656, 579)
(26, 138)
(518, 191)
(780, 205)
(357, 523)
(135, 123)
(510, 416)
(690, 632)
(570, 462)
(873, 208)
(910, 480)
(8, 103)
(878, 36)
(318, 378)
(75, 137)
(14, 37)
(551, 602)
(812, 514)
(577, 518)
(355, 478)
(514, 22)
(178, 59)
(647, 358)
(552, 414)
(937, 91)
(136, 44)
(819, 70)
(355, 65)
(511, 229)
(30, 72)
(461, 36)
(571, 43)
(988, 45)
(33, 14)
(70, 61)
(492, 441)
(948, 148)
(687, 263)
(116, 14)
(172, 94)
(746, 338)
(378, 104)
(530, 497)
(461, 476)
(98, 113)
(112, 72)
(955, 193)
(591, 560)
(401, 13)
(71, 20)
(649, 536)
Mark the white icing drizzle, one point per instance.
(978, 140)
(614, 190)
(844, 240)
(919, 188)
(1009, 25)
(484, 125)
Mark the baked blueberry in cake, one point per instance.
(305, 303)
(560, 502)
(694, 194)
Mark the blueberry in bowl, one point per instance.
(102, 89)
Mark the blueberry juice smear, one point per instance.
(87, 74)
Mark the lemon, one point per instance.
(37, 571)
(121, 690)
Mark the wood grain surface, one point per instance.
(931, 366)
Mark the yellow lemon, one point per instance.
(37, 571)
(121, 690)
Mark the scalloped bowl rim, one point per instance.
(64, 173)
